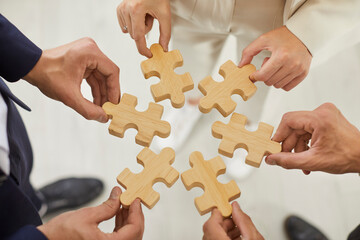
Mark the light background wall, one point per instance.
(65, 144)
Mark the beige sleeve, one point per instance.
(317, 23)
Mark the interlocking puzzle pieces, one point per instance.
(157, 168)
(234, 135)
(148, 123)
(203, 174)
(171, 85)
(218, 94)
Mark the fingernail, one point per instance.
(115, 193)
(103, 118)
(270, 161)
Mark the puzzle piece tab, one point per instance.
(157, 168)
(171, 85)
(218, 94)
(148, 123)
(203, 174)
(234, 135)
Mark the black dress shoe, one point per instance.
(297, 229)
(69, 193)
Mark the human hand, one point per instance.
(335, 142)
(83, 223)
(136, 17)
(60, 72)
(239, 226)
(289, 62)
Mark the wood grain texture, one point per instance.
(204, 175)
(218, 94)
(171, 86)
(157, 168)
(234, 135)
(148, 123)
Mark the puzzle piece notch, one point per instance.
(157, 168)
(234, 135)
(125, 116)
(204, 175)
(218, 94)
(172, 85)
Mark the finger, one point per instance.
(296, 81)
(121, 19)
(268, 70)
(128, 23)
(119, 220)
(287, 160)
(228, 224)
(285, 80)
(306, 172)
(252, 50)
(265, 61)
(300, 120)
(165, 30)
(101, 79)
(139, 34)
(95, 89)
(107, 209)
(213, 228)
(134, 228)
(84, 107)
(110, 73)
(290, 142)
(234, 233)
(302, 143)
(277, 77)
(125, 215)
(149, 21)
(244, 223)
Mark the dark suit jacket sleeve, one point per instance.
(18, 55)
(28, 232)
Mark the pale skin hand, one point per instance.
(335, 142)
(289, 62)
(238, 227)
(60, 72)
(138, 17)
(83, 224)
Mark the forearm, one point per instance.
(317, 23)
(18, 54)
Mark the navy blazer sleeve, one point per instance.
(18, 55)
(28, 232)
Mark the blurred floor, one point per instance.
(65, 144)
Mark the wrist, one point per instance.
(42, 229)
(39, 74)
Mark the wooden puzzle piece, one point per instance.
(203, 174)
(148, 123)
(234, 135)
(218, 94)
(171, 85)
(157, 168)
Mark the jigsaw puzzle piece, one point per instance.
(234, 135)
(157, 168)
(125, 116)
(218, 94)
(204, 175)
(171, 86)
(262, 148)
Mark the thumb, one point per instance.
(109, 208)
(252, 50)
(290, 160)
(87, 109)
